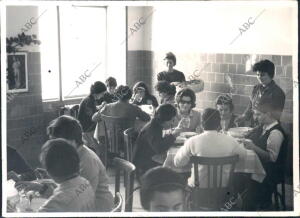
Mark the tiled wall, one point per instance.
(215, 69)
(221, 68)
(25, 113)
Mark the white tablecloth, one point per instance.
(250, 164)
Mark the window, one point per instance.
(73, 50)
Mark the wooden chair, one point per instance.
(74, 110)
(279, 196)
(118, 203)
(129, 138)
(213, 196)
(113, 128)
(71, 110)
(128, 168)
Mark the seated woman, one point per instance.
(86, 110)
(163, 190)
(109, 96)
(210, 143)
(91, 167)
(187, 119)
(151, 140)
(142, 96)
(65, 172)
(166, 92)
(122, 109)
(269, 142)
(225, 106)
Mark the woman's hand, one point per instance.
(29, 186)
(239, 120)
(176, 132)
(99, 107)
(138, 97)
(11, 207)
(249, 144)
(41, 173)
(14, 176)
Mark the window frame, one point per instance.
(61, 100)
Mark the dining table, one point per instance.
(21, 201)
(249, 164)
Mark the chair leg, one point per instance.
(125, 180)
(276, 199)
(283, 196)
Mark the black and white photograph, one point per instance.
(17, 77)
(150, 108)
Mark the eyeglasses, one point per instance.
(185, 102)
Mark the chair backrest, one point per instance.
(71, 110)
(114, 127)
(74, 110)
(218, 190)
(129, 137)
(118, 203)
(128, 168)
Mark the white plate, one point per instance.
(180, 140)
(188, 134)
(239, 132)
(147, 108)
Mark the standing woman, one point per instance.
(86, 110)
(142, 96)
(166, 92)
(266, 91)
(171, 75)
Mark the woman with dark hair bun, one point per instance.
(171, 75)
(142, 96)
(266, 91)
(87, 108)
(166, 92)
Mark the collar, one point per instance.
(155, 121)
(70, 182)
(272, 83)
(269, 126)
(210, 131)
(190, 114)
(168, 100)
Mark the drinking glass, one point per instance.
(185, 122)
(24, 202)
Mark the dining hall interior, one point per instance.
(159, 107)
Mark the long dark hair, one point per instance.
(141, 84)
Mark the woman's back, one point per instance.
(125, 110)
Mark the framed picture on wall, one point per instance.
(17, 75)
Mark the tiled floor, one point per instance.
(136, 195)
